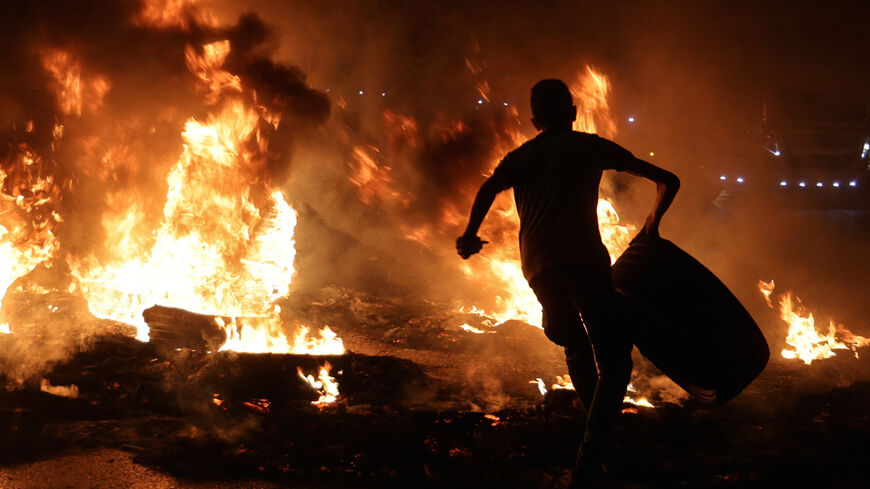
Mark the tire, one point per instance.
(687, 322)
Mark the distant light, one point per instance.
(853, 183)
(480, 101)
(777, 153)
(819, 184)
(866, 147)
(836, 184)
(631, 118)
(802, 184)
(361, 92)
(652, 153)
(783, 184)
(739, 179)
(723, 178)
(505, 104)
(383, 94)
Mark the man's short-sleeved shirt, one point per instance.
(555, 178)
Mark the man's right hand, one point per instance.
(469, 245)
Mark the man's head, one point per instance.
(552, 105)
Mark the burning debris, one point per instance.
(804, 340)
(177, 203)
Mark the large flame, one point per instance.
(26, 216)
(804, 340)
(224, 245)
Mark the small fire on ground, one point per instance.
(324, 384)
(563, 382)
(805, 341)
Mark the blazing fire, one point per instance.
(197, 224)
(27, 221)
(805, 341)
(223, 246)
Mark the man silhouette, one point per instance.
(555, 178)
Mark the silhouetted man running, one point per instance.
(555, 178)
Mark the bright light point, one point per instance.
(802, 184)
(783, 184)
(836, 184)
(361, 92)
(853, 183)
(777, 153)
(739, 179)
(819, 184)
(723, 177)
(505, 104)
(383, 94)
(480, 101)
(651, 153)
(866, 147)
(631, 119)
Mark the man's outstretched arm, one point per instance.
(667, 185)
(469, 243)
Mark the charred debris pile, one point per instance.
(228, 415)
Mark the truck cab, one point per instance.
(808, 149)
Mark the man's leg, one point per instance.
(563, 326)
(593, 295)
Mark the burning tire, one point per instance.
(688, 323)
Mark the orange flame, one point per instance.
(324, 384)
(26, 222)
(805, 341)
(224, 245)
(593, 114)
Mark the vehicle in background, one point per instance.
(809, 150)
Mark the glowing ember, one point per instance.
(640, 402)
(563, 382)
(71, 391)
(472, 329)
(805, 342)
(542, 387)
(324, 384)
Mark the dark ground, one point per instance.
(146, 419)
